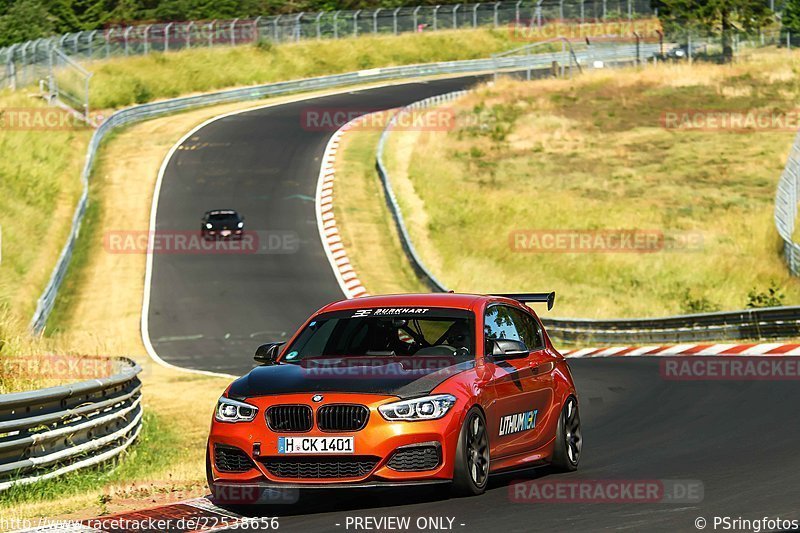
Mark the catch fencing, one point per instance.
(755, 324)
(49, 432)
(26, 63)
(786, 208)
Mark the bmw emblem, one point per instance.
(317, 398)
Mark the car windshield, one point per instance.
(386, 332)
(223, 217)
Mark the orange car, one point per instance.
(397, 390)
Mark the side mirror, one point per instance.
(267, 354)
(508, 349)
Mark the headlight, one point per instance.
(209, 226)
(232, 411)
(427, 408)
(241, 225)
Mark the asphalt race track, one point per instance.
(210, 311)
(736, 438)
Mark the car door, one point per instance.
(519, 384)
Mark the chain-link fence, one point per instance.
(26, 63)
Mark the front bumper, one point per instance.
(378, 441)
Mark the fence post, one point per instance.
(210, 27)
(12, 67)
(516, 12)
(561, 10)
(416, 20)
(630, 10)
(789, 40)
(125, 36)
(496, 20)
(539, 13)
(605, 8)
(316, 21)
(75, 43)
(355, 23)
(583, 11)
(375, 20)
(108, 42)
(298, 32)
(232, 29)
(394, 19)
(475, 15)
(455, 16)
(189, 28)
(275, 28)
(166, 36)
(146, 31)
(256, 31)
(436, 17)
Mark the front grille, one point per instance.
(289, 418)
(231, 459)
(320, 467)
(342, 417)
(415, 459)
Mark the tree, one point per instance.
(716, 17)
(25, 20)
(791, 16)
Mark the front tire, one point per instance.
(569, 442)
(471, 469)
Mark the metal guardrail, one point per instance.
(786, 208)
(24, 62)
(767, 323)
(49, 432)
(145, 111)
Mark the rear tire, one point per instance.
(569, 442)
(471, 469)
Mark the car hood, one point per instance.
(399, 377)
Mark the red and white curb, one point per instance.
(766, 349)
(326, 221)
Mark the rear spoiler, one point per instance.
(533, 297)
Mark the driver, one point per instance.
(458, 335)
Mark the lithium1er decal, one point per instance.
(518, 422)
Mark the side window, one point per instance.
(499, 323)
(528, 329)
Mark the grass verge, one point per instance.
(591, 154)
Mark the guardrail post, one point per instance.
(436, 17)
(355, 23)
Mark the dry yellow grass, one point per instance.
(591, 153)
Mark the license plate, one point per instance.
(315, 445)
(225, 232)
